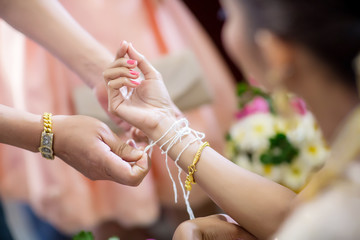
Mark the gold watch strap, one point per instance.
(47, 138)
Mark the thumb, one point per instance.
(101, 94)
(122, 50)
(127, 152)
(143, 64)
(124, 150)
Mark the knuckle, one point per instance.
(106, 74)
(111, 84)
(122, 147)
(107, 171)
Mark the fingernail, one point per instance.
(131, 62)
(138, 152)
(135, 82)
(134, 73)
(132, 143)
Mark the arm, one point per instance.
(257, 204)
(84, 143)
(48, 23)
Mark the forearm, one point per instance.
(20, 129)
(49, 24)
(257, 204)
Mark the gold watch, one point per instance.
(47, 137)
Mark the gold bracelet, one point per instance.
(47, 137)
(192, 168)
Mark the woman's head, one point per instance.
(264, 34)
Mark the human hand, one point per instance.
(100, 92)
(149, 102)
(89, 146)
(214, 227)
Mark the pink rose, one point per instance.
(257, 105)
(299, 105)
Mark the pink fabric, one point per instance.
(56, 191)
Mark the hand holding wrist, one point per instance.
(93, 149)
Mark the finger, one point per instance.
(101, 94)
(112, 73)
(138, 135)
(116, 169)
(121, 82)
(132, 167)
(143, 64)
(123, 62)
(126, 152)
(122, 50)
(132, 143)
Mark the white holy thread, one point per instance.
(173, 140)
(180, 133)
(153, 143)
(199, 136)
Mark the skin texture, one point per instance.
(149, 108)
(62, 36)
(67, 40)
(258, 205)
(211, 228)
(84, 143)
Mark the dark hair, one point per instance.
(328, 28)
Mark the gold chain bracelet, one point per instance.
(192, 168)
(47, 137)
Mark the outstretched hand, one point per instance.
(148, 101)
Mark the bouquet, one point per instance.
(281, 149)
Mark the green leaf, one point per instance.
(84, 236)
(280, 151)
(228, 137)
(242, 88)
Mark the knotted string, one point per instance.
(181, 129)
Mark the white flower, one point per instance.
(314, 153)
(251, 135)
(253, 132)
(296, 174)
(306, 131)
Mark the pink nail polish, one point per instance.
(131, 62)
(134, 73)
(135, 82)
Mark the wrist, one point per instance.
(187, 146)
(162, 126)
(60, 127)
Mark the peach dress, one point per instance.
(33, 80)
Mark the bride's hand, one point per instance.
(149, 102)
